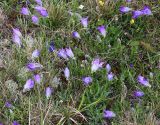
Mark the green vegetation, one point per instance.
(131, 48)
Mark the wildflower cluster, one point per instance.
(39, 8)
(67, 53)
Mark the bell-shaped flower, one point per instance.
(87, 80)
(25, 11)
(62, 53)
(76, 35)
(84, 22)
(110, 76)
(69, 53)
(136, 14)
(42, 11)
(124, 9)
(96, 64)
(39, 2)
(138, 93)
(34, 66)
(66, 73)
(29, 85)
(102, 30)
(146, 11)
(35, 53)
(48, 92)
(108, 114)
(37, 78)
(143, 81)
(35, 19)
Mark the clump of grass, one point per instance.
(58, 14)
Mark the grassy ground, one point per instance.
(72, 103)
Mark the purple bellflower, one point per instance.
(84, 22)
(128, 0)
(87, 80)
(110, 76)
(8, 104)
(76, 35)
(15, 123)
(96, 64)
(48, 92)
(136, 14)
(66, 73)
(146, 11)
(29, 85)
(35, 19)
(25, 11)
(62, 53)
(35, 53)
(69, 53)
(108, 67)
(16, 39)
(37, 78)
(124, 9)
(138, 93)
(108, 114)
(51, 47)
(34, 66)
(143, 81)
(102, 30)
(17, 32)
(39, 2)
(42, 11)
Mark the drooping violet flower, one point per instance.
(146, 10)
(138, 93)
(66, 73)
(102, 30)
(42, 11)
(128, 0)
(35, 53)
(29, 85)
(96, 64)
(15, 123)
(76, 35)
(62, 53)
(16, 39)
(143, 81)
(69, 53)
(131, 65)
(35, 19)
(84, 22)
(34, 66)
(17, 32)
(51, 47)
(87, 80)
(39, 2)
(8, 104)
(37, 78)
(124, 9)
(136, 14)
(108, 114)
(48, 92)
(110, 76)
(25, 11)
(1, 123)
(108, 67)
